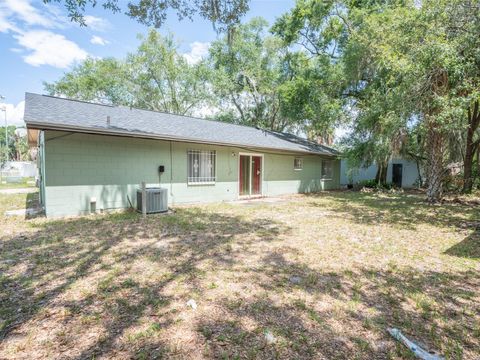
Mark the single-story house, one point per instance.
(93, 154)
(402, 173)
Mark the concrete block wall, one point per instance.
(80, 168)
(409, 173)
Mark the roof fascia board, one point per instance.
(87, 130)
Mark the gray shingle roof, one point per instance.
(48, 112)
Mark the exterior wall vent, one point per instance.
(157, 200)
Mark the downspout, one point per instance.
(171, 172)
(43, 183)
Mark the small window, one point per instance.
(327, 169)
(201, 167)
(297, 163)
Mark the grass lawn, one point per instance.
(27, 182)
(310, 277)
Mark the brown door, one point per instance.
(256, 175)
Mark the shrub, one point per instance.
(372, 184)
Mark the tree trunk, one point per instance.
(467, 165)
(478, 160)
(435, 170)
(420, 180)
(473, 122)
(381, 176)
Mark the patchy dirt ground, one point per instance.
(312, 277)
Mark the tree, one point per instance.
(472, 145)
(413, 148)
(311, 95)
(328, 32)
(404, 62)
(22, 150)
(260, 81)
(4, 146)
(314, 90)
(248, 76)
(222, 13)
(155, 77)
(161, 79)
(449, 62)
(100, 80)
(380, 82)
(463, 30)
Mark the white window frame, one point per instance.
(325, 177)
(301, 163)
(211, 180)
(250, 195)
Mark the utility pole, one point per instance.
(4, 109)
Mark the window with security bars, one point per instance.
(327, 169)
(201, 167)
(298, 163)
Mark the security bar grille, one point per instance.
(327, 169)
(201, 167)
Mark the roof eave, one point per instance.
(102, 131)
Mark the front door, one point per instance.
(250, 175)
(256, 175)
(397, 171)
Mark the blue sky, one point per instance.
(38, 43)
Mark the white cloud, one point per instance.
(14, 114)
(27, 23)
(5, 25)
(198, 50)
(23, 10)
(96, 23)
(48, 48)
(97, 40)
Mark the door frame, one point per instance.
(397, 165)
(250, 154)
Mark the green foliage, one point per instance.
(402, 74)
(260, 81)
(250, 77)
(155, 77)
(11, 143)
(318, 26)
(21, 148)
(410, 71)
(418, 58)
(161, 79)
(373, 184)
(314, 92)
(100, 80)
(247, 73)
(222, 13)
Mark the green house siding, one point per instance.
(81, 168)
